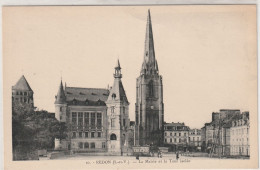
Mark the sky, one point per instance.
(206, 54)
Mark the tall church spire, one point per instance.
(149, 63)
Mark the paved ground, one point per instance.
(84, 157)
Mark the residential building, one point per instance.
(239, 136)
(218, 133)
(195, 138)
(177, 135)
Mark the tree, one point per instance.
(33, 130)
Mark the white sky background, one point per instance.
(206, 54)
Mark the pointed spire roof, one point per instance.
(118, 65)
(118, 70)
(117, 91)
(149, 54)
(22, 84)
(60, 98)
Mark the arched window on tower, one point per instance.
(113, 137)
(150, 87)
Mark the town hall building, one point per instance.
(98, 119)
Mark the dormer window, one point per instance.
(74, 101)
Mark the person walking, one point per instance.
(177, 155)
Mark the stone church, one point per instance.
(149, 106)
(98, 119)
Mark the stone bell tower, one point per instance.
(149, 106)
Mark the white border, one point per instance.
(109, 3)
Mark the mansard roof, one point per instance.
(86, 96)
(22, 84)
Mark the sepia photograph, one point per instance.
(167, 86)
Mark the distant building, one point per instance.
(98, 119)
(195, 138)
(22, 92)
(177, 135)
(217, 135)
(239, 136)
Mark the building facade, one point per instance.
(149, 106)
(98, 119)
(22, 92)
(195, 138)
(177, 135)
(219, 136)
(239, 135)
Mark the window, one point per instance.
(74, 135)
(165, 134)
(112, 122)
(113, 137)
(99, 120)
(150, 88)
(184, 134)
(80, 119)
(174, 140)
(86, 134)
(103, 145)
(99, 134)
(80, 134)
(179, 134)
(80, 145)
(86, 121)
(60, 109)
(112, 109)
(74, 118)
(24, 100)
(92, 134)
(165, 140)
(93, 119)
(123, 122)
(17, 93)
(25, 93)
(170, 134)
(198, 138)
(193, 138)
(92, 145)
(174, 134)
(21, 93)
(86, 145)
(113, 96)
(60, 117)
(171, 140)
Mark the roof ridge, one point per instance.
(88, 88)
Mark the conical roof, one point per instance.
(22, 84)
(60, 98)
